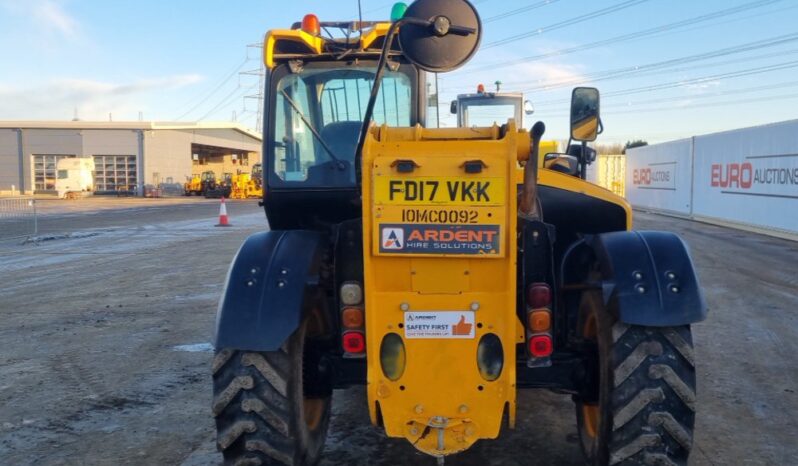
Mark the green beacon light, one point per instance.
(398, 11)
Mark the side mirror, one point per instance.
(529, 109)
(585, 152)
(584, 114)
(453, 107)
(440, 35)
(562, 163)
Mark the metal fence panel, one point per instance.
(18, 217)
(660, 176)
(749, 176)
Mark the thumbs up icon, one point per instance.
(461, 328)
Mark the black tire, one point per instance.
(642, 404)
(264, 415)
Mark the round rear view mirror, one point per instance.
(440, 35)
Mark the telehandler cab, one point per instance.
(445, 269)
(486, 108)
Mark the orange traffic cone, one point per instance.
(223, 215)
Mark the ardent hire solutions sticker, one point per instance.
(439, 324)
(402, 238)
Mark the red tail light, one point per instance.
(354, 342)
(540, 346)
(538, 295)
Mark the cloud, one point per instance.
(46, 17)
(51, 15)
(58, 98)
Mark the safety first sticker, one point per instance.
(439, 324)
(439, 239)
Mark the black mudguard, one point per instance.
(649, 278)
(272, 284)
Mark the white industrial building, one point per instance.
(128, 156)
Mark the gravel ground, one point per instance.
(105, 325)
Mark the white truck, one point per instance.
(75, 178)
(487, 108)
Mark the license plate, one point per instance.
(439, 190)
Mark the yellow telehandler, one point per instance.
(248, 185)
(444, 269)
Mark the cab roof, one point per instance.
(360, 40)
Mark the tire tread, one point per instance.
(653, 400)
(250, 405)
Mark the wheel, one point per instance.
(270, 408)
(641, 406)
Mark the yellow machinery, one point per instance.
(200, 184)
(444, 269)
(415, 288)
(248, 185)
(192, 185)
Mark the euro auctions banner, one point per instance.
(749, 176)
(659, 176)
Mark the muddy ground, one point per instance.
(105, 328)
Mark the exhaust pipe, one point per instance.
(528, 204)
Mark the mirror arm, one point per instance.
(583, 161)
(461, 30)
(416, 22)
(375, 89)
(445, 29)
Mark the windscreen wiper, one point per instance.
(313, 130)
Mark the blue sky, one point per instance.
(170, 59)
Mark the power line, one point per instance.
(568, 22)
(666, 66)
(631, 36)
(224, 81)
(622, 72)
(632, 106)
(700, 80)
(706, 105)
(523, 9)
(227, 100)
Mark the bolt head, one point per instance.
(404, 307)
(463, 409)
(475, 306)
(641, 289)
(674, 289)
(441, 26)
(418, 409)
(671, 276)
(637, 275)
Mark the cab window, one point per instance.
(318, 116)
